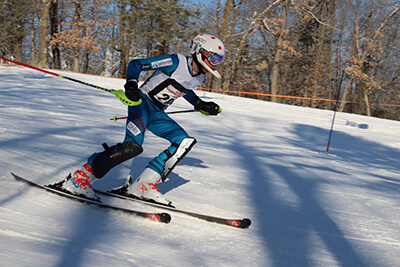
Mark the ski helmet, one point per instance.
(206, 46)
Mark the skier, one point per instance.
(175, 76)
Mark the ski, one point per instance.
(159, 217)
(238, 223)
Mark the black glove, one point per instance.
(132, 91)
(207, 108)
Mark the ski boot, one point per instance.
(145, 187)
(78, 183)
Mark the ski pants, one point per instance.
(148, 116)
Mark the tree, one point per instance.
(13, 18)
(364, 49)
(223, 35)
(81, 33)
(229, 42)
(54, 29)
(128, 19)
(292, 48)
(43, 33)
(256, 22)
(279, 35)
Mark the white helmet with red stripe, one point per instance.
(206, 46)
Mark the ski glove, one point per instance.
(132, 91)
(207, 108)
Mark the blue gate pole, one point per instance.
(334, 113)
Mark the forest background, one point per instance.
(287, 51)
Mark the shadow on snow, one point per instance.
(289, 227)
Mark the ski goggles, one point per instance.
(213, 58)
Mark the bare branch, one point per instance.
(312, 15)
(254, 24)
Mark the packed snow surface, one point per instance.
(257, 160)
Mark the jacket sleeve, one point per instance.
(192, 98)
(166, 63)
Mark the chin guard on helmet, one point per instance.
(199, 65)
(213, 72)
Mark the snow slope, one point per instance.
(260, 160)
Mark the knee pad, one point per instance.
(173, 159)
(112, 156)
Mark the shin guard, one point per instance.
(112, 156)
(173, 159)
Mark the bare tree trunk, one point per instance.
(318, 55)
(54, 23)
(75, 66)
(228, 57)
(122, 29)
(329, 104)
(224, 38)
(346, 93)
(43, 33)
(107, 69)
(330, 55)
(33, 55)
(277, 58)
(18, 39)
(78, 13)
(275, 74)
(366, 101)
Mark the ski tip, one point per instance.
(15, 176)
(159, 217)
(244, 223)
(165, 217)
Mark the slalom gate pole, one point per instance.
(118, 93)
(115, 118)
(334, 113)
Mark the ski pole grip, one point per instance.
(124, 99)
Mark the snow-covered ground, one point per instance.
(260, 160)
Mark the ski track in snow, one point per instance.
(257, 159)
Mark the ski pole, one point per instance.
(118, 93)
(334, 113)
(115, 118)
